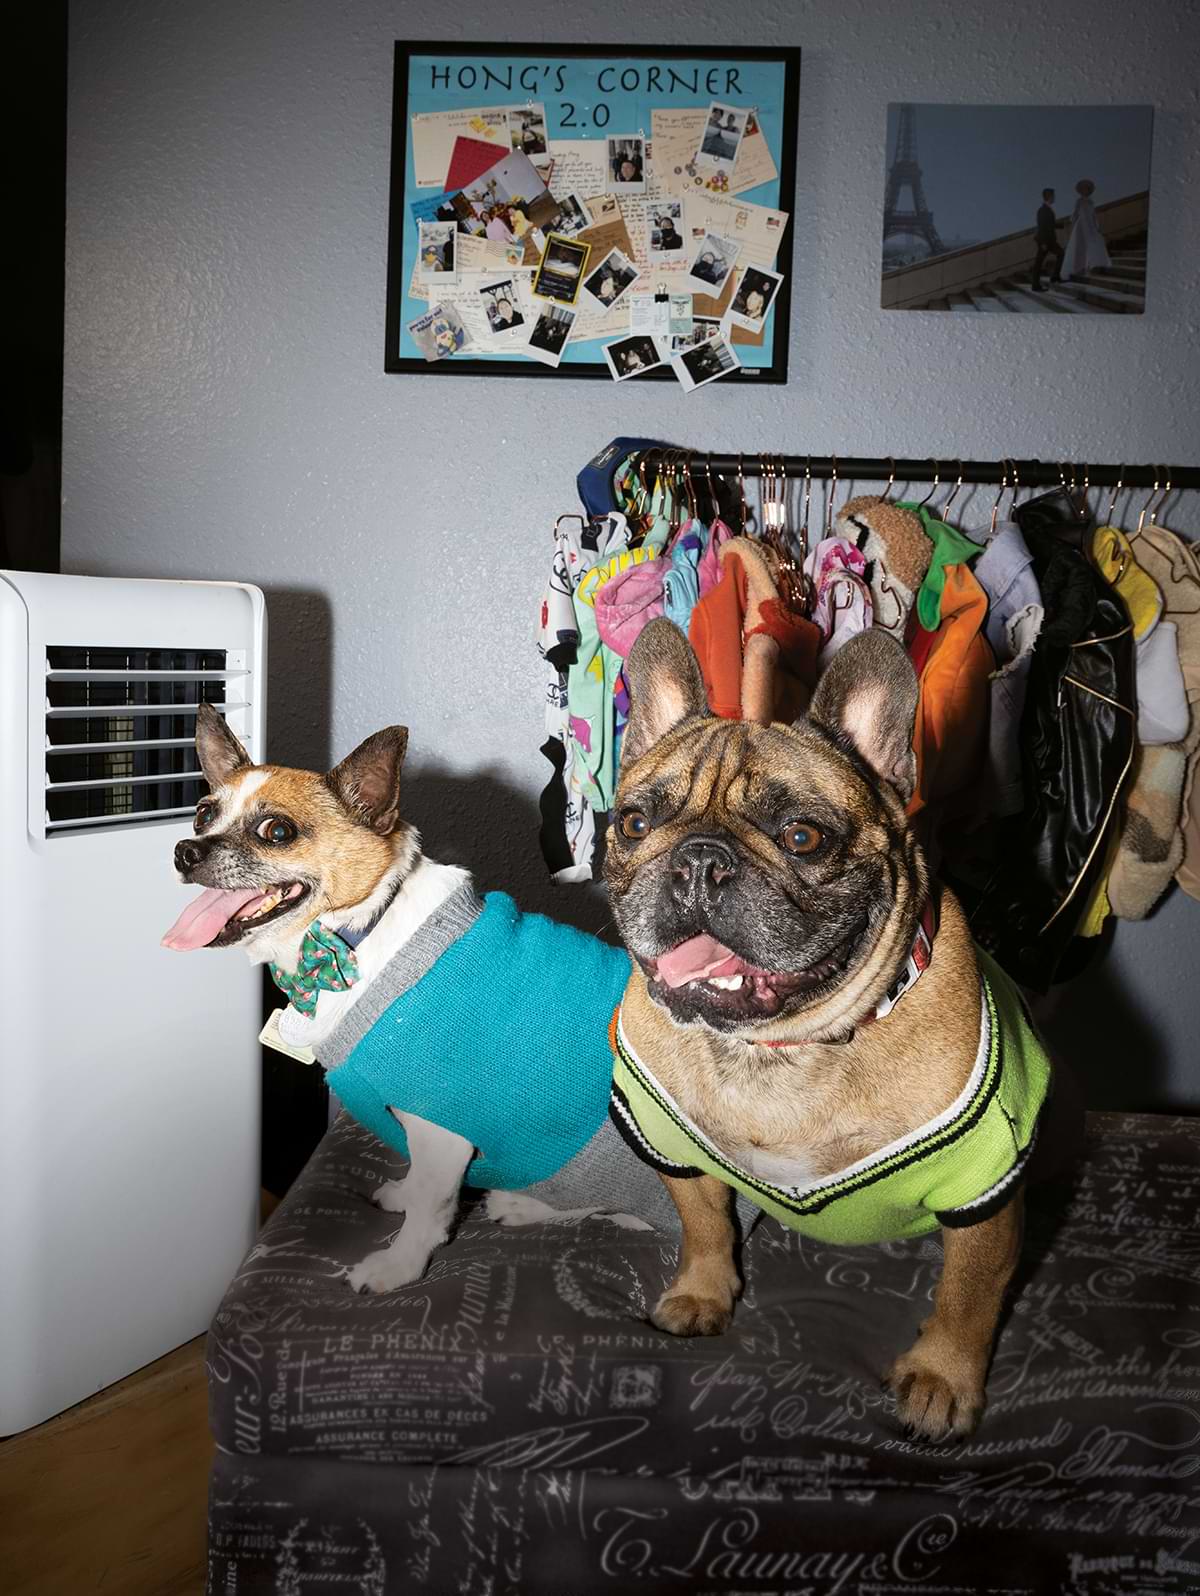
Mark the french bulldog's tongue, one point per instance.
(206, 917)
(694, 960)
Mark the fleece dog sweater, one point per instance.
(493, 1024)
(957, 1170)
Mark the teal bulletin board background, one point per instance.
(588, 97)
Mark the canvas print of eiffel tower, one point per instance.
(1017, 209)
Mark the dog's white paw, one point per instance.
(517, 1208)
(391, 1197)
(387, 1269)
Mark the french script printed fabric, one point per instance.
(511, 1424)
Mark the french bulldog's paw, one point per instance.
(932, 1405)
(385, 1270)
(391, 1197)
(682, 1314)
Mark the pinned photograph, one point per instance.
(627, 163)
(664, 316)
(703, 328)
(666, 230)
(614, 277)
(724, 130)
(712, 263)
(631, 356)
(527, 130)
(549, 334)
(705, 362)
(502, 306)
(1013, 209)
(435, 250)
(754, 296)
(560, 271)
(573, 216)
(510, 200)
(440, 333)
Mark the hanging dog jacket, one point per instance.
(957, 1170)
(467, 1026)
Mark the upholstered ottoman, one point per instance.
(512, 1425)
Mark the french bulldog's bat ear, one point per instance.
(217, 749)
(368, 781)
(868, 693)
(665, 687)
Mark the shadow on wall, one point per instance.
(1095, 1024)
(299, 678)
(483, 823)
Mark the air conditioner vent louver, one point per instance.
(120, 730)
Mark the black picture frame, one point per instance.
(774, 373)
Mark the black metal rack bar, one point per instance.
(1030, 473)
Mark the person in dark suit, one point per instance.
(1046, 239)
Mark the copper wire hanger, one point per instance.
(807, 499)
(999, 497)
(937, 477)
(742, 491)
(1112, 503)
(953, 493)
(1166, 494)
(1142, 518)
(890, 481)
(833, 480)
(714, 507)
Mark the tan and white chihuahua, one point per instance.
(278, 849)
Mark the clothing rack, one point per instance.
(1029, 473)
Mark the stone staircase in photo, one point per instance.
(1119, 288)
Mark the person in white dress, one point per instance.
(1086, 250)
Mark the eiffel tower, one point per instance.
(905, 172)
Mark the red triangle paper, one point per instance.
(471, 159)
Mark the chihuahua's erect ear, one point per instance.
(665, 687)
(368, 780)
(217, 749)
(868, 694)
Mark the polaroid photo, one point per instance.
(501, 301)
(721, 137)
(573, 216)
(632, 355)
(713, 260)
(666, 230)
(559, 273)
(705, 362)
(613, 278)
(703, 328)
(440, 333)
(435, 251)
(753, 297)
(527, 130)
(549, 334)
(627, 163)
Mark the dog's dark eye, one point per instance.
(204, 815)
(799, 838)
(634, 825)
(277, 830)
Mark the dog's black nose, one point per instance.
(700, 862)
(188, 854)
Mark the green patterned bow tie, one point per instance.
(327, 964)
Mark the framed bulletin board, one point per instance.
(566, 211)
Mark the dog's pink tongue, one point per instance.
(693, 960)
(206, 916)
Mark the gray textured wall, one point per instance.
(226, 411)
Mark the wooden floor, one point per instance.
(112, 1495)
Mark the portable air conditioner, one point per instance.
(129, 1075)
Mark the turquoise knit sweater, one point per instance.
(504, 1039)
